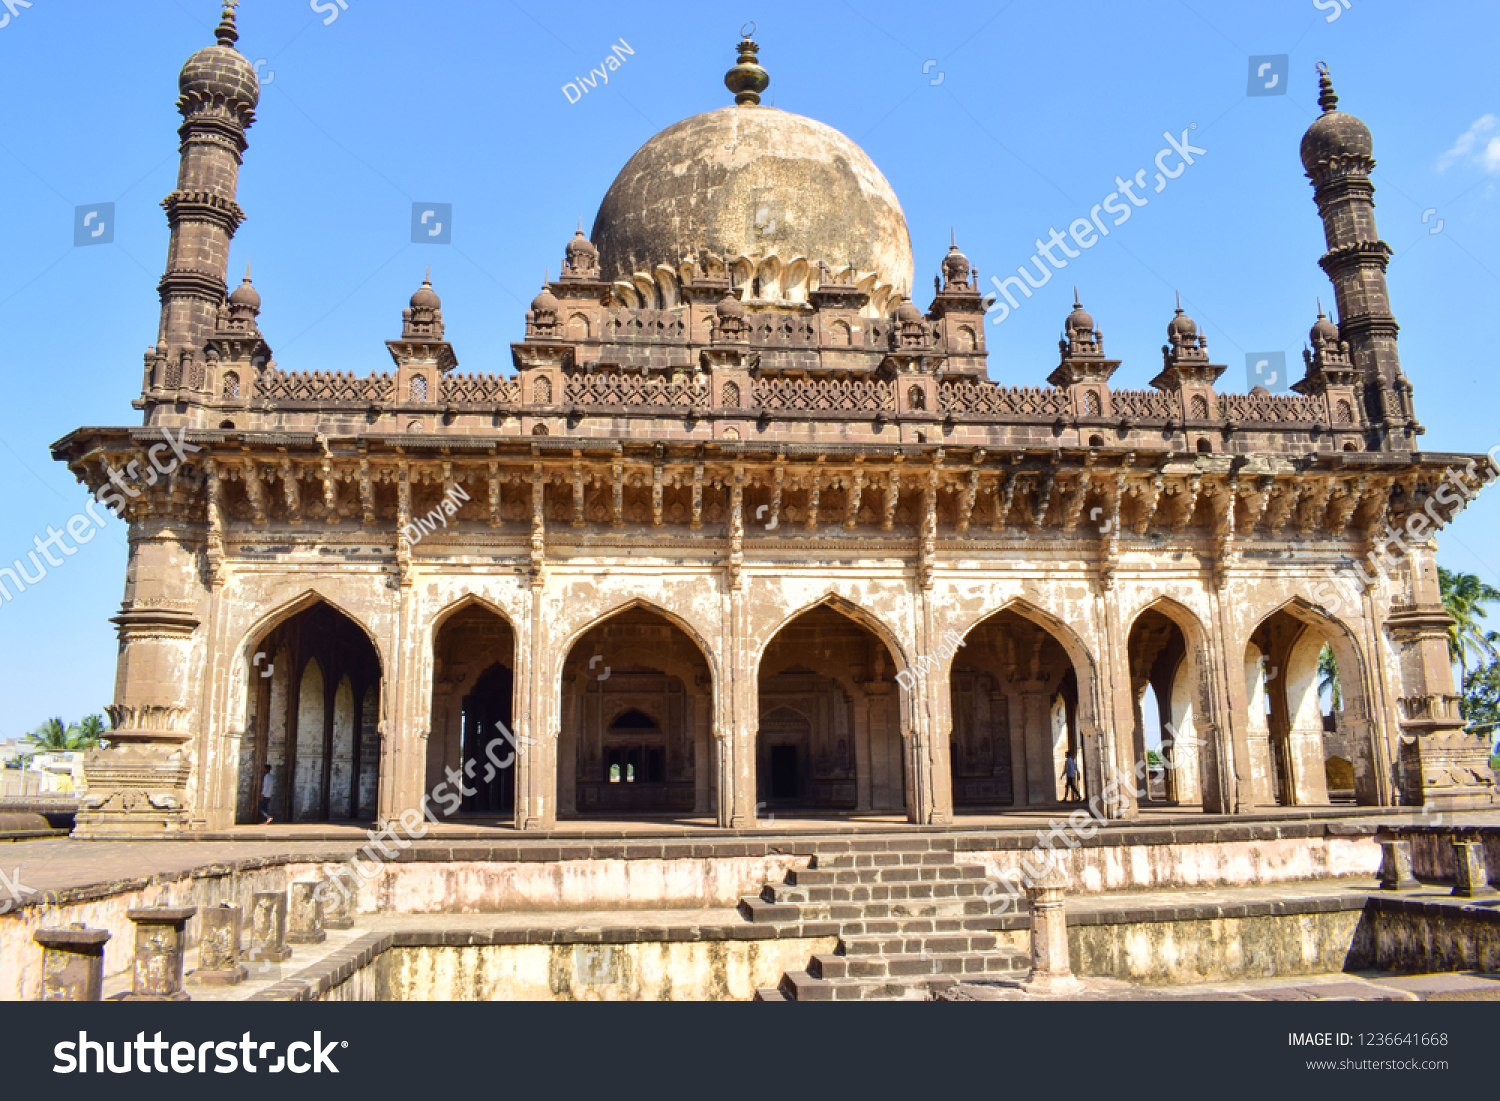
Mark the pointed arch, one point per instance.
(842, 604)
(630, 603)
(312, 707)
(635, 658)
(1175, 669)
(1077, 650)
(466, 600)
(1290, 639)
(268, 622)
(471, 659)
(834, 731)
(1017, 721)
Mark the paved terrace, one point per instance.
(68, 870)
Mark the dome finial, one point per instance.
(226, 33)
(1327, 98)
(747, 79)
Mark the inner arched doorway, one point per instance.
(314, 699)
(473, 693)
(1307, 722)
(1014, 697)
(1165, 720)
(829, 733)
(637, 711)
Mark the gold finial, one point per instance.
(747, 79)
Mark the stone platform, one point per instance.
(1165, 886)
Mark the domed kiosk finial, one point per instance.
(747, 79)
(226, 32)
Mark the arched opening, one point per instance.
(1164, 695)
(314, 700)
(637, 711)
(1310, 741)
(829, 735)
(473, 694)
(1015, 705)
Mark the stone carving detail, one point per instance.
(985, 398)
(632, 390)
(324, 386)
(478, 390)
(832, 395)
(1271, 408)
(1142, 404)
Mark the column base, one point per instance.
(1051, 985)
(134, 791)
(1447, 770)
(232, 977)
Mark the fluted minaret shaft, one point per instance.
(1338, 154)
(219, 93)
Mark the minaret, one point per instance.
(1337, 153)
(219, 92)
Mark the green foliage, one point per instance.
(1153, 758)
(1328, 679)
(1480, 700)
(1465, 597)
(53, 737)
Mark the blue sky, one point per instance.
(998, 120)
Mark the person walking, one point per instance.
(265, 798)
(1071, 794)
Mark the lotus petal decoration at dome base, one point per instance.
(765, 280)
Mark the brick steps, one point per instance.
(903, 873)
(761, 910)
(909, 965)
(906, 943)
(910, 919)
(799, 986)
(874, 892)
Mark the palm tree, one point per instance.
(53, 737)
(91, 731)
(1465, 596)
(1328, 679)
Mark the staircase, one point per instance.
(910, 921)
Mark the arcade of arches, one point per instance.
(637, 712)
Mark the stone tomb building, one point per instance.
(709, 551)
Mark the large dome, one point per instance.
(753, 181)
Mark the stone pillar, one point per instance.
(739, 721)
(1470, 880)
(1395, 863)
(1041, 777)
(219, 947)
(337, 895)
(305, 914)
(72, 963)
(268, 928)
(1050, 971)
(160, 940)
(536, 769)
